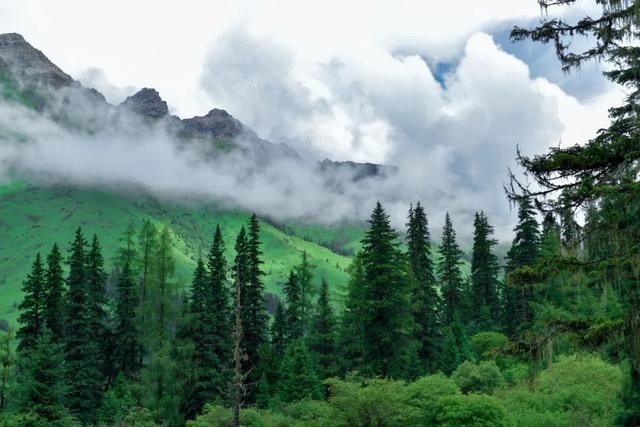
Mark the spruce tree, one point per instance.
(254, 320)
(455, 347)
(524, 252)
(83, 369)
(426, 300)
(298, 378)
(449, 274)
(32, 308)
(97, 300)
(388, 323)
(294, 310)
(42, 386)
(219, 313)
(54, 295)
(484, 275)
(351, 331)
(126, 336)
(304, 274)
(322, 338)
(279, 330)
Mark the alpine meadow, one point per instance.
(397, 214)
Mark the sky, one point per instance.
(436, 88)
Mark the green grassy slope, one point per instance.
(33, 218)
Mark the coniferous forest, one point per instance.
(428, 331)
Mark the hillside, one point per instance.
(33, 218)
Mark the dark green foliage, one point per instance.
(304, 275)
(455, 347)
(32, 308)
(449, 274)
(219, 314)
(322, 337)
(254, 316)
(97, 300)
(7, 367)
(54, 294)
(126, 337)
(523, 253)
(82, 355)
(484, 275)
(42, 387)
(293, 314)
(279, 330)
(351, 335)
(298, 378)
(387, 317)
(426, 300)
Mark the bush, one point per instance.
(575, 391)
(483, 377)
(471, 411)
(486, 345)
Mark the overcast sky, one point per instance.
(435, 87)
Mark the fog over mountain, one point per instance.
(447, 143)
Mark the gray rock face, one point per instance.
(30, 66)
(216, 124)
(147, 103)
(357, 171)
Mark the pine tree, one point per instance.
(32, 308)
(484, 275)
(126, 336)
(279, 331)
(83, 372)
(254, 320)
(42, 386)
(455, 347)
(449, 274)
(322, 338)
(298, 378)
(165, 268)
(97, 300)
(426, 299)
(54, 295)
(294, 310)
(388, 324)
(524, 252)
(219, 314)
(351, 332)
(304, 274)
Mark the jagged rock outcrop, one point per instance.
(147, 103)
(28, 65)
(215, 124)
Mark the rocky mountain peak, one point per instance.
(147, 103)
(28, 65)
(216, 123)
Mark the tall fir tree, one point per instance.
(97, 300)
(54, 295)
(42, 387)
(484, 275)
(31, 320)
(298, 378)
(127, 336)
(294, 310)
(524, 252)
(322, 337)
(426, 300)
(388, 323)
(449, 274)
(219, 315)
(254, 320)
(351, 330)
(83, 369)
(304, 275)
(279, 331)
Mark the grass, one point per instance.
(33, 218)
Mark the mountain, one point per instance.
(34, 217)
